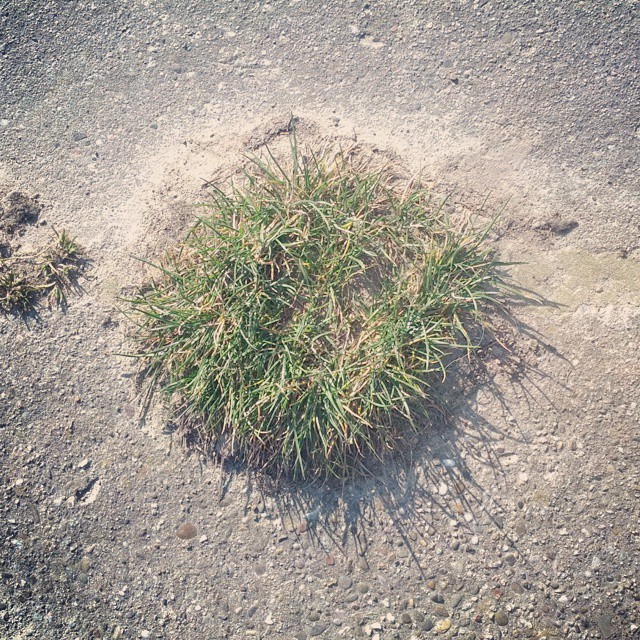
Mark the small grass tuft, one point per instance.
(60, 265)
(16, 292)
(50, 273)
(305, 317)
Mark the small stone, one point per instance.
(85, 565)
(314, 616)
(117, 633)
(405, 618)
(455, 601)
(318, 629)
(438, 598)
(84, 464)
(427, 625)
(78, 136)
(402, 552)
(501, 618)
(431, 584)
(442, 625)
(604, 624)
(516, 587)
(441, 611)
(345, 582)
(260, 569)
(510, 559)
(269, 620)
(418, 617)
(145, 634)
(186, 531)
(455, 545)
(443, 489)
(302, 527)
(363, 588)
(330, 561)
(203, 539)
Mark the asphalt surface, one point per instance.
(536, 101)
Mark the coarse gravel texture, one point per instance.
(518, 518)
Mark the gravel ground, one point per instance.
(519, 518)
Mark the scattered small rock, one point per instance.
(501, 618)
(186, 531)
(442, 625)
(318, 629)
(345, 582)
(604, 625)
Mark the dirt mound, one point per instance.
(17, 210)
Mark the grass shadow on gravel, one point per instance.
(430, 477)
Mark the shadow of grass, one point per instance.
(427, 489)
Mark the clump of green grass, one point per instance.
(307, 314)
(16, 292)
(50, 273)
(59, 267)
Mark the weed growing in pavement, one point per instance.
(50, 273)
(305, 317)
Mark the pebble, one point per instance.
(260, 569)
(314, 616)
(318, 629)
(77, 136)
(441, 611)
(84, 464)
(269, 620)
(516, 587)
(405, 618)
(145, 634)
(438, 598)
(428, 624)
(510, 559)
(442, 625)
(604, 625)
(85, 565)
(345, 582)
(443, 489)
(186, 531)
(501, 618)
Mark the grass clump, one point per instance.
(307, 314)
(50, 273)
